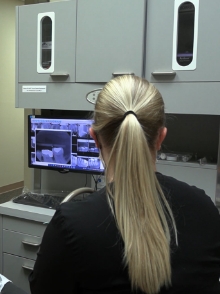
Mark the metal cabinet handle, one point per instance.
(116, 74)
(163, 73)
(59, 74)
(31, 244)
(27, 267)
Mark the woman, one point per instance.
(143, 233)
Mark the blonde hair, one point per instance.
(141, 210)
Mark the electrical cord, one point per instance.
(96, 181)
(86, 181)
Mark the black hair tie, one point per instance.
(129, 112)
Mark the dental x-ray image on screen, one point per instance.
(62, 144)
(53, 146)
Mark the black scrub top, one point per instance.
(82, 250)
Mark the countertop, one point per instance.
(26, 211)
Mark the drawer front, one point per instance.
(21, 244)
(17, 269)
(23, 226)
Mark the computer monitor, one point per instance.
(62, 144)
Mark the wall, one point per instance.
(12, 120)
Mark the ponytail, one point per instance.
(139, 205)
(139, 211)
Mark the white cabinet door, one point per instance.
(191, 98)
(17, 269)
(110, 39)
(46, 36)
(21, 244)
(168, 28)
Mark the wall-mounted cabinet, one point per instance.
(110, 39)
(45, 47)
(182, 55)
(182, 43)
(63, 48)
(66, 49)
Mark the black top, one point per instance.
(81, 251)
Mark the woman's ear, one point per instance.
(161, 136)
(94, 136)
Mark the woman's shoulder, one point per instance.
(174, 187)
(193, 210)
(83, 212)
(186, 197)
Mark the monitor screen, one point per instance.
(62, 144)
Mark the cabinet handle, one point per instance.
(59, 74)
(163, 73)
(31, 244)
(27, 267)
(116, 74)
